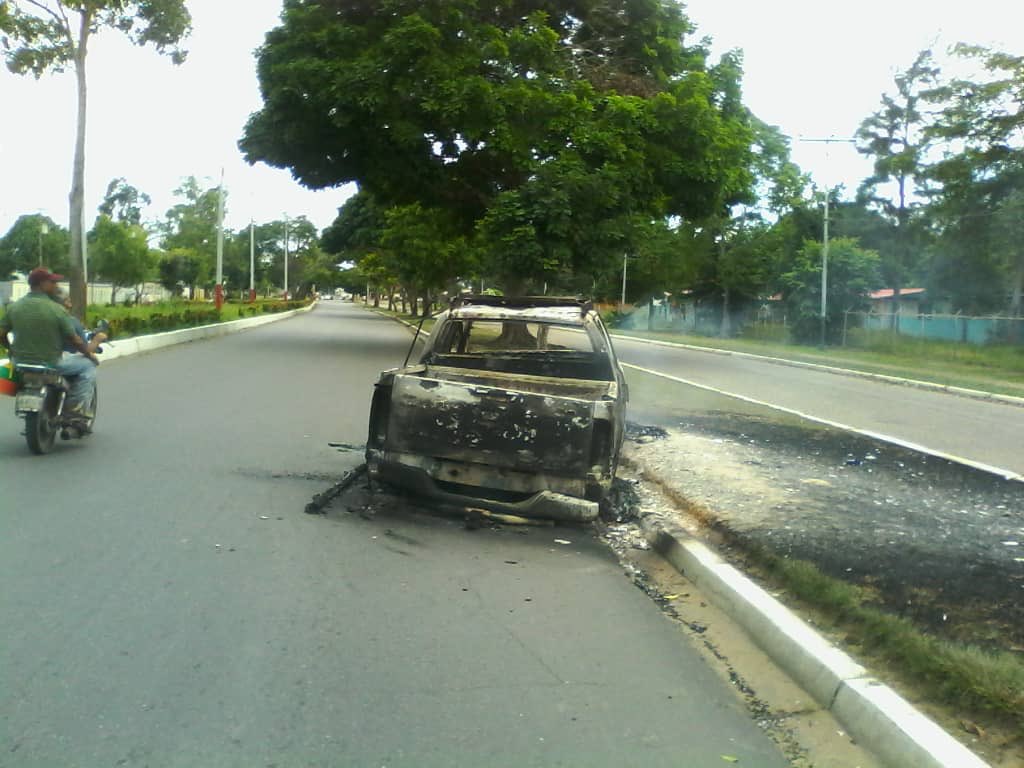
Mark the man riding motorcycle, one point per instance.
(41, 327)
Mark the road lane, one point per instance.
(166, 602)
(989, 433)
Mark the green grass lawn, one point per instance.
(992, 368)
(406, 318)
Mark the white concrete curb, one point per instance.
(872, 713)
(974, 394)
(137, 344)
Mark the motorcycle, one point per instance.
(40, 398)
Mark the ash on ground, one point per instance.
(938, 542)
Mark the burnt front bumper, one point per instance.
(462, 484)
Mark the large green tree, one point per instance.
(123, 202)
(40, 36)
(190, 233)
(982, 121)
(541, 128)
(852, 275)
(120, 253)
(896, 139)
(427, 254)
(32, 240)
(357, 228)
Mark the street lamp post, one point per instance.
(824, 271)
(44, 229)
(252, 261)
(824, 245)
(218, 290)
(286, 257)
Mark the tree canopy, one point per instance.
(540, 127)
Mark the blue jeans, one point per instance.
(81, 374)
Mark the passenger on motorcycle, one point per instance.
(93, 340)
(41, 327)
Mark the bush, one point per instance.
(170, 316)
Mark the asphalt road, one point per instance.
(985, 432)
(166, 602)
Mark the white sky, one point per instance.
(813, 67)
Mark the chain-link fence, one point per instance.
(993, 329)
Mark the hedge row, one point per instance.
(157, 322)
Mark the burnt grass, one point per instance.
(939, 543)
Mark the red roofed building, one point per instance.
(909, 301)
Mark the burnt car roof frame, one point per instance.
(522, 302)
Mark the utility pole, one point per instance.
(824, 272)
(218, 289)
(622, 303)
(286, 257)
(252, 260)
(824, 245)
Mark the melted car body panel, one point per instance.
(517, 406)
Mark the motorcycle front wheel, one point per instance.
(40, 431)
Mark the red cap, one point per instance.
(41, 275)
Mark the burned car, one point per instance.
(515, 405)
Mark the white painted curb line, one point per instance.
(871, 712)
(137, 344)
(974, 394)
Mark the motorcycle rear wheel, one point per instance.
(40, 432)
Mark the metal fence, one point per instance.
(97, 293)
(992, 329)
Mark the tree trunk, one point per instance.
(725, 330)
(1015, 299)
(650, 314)
(1018, 287)
(515, 285)
(76, 199)
(894, 320)
(515, 336)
